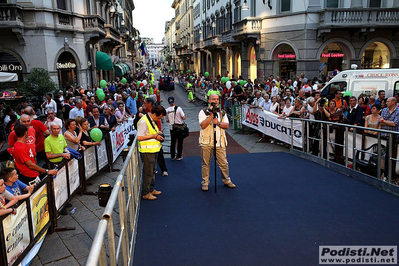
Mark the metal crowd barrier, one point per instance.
(373, 155)
(127, 193)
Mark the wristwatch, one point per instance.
(46, 171)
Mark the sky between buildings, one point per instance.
(149, 17)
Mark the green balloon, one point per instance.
(96, 134)
(227, 79)
(101, 96)
(224, 80)
(103, 84)
(206, 74)
(243, 82)
(191, 77)
(182, 72)
(99, 91)
(347, 93)
(123, 81)
(138, 83)
(189, 71)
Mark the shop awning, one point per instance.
(103, 61)
(129, 65)
(8, 77)
(121, 69)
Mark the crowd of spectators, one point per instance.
(37, 144)
(301, 98)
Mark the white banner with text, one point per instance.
(270, 125)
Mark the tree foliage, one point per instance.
(37, 85)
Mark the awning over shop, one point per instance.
(104, 62)
(121, 69)
(129, 65)
(8, 77)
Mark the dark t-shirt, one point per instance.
(85, 138)
(65, 111)
(238, 90)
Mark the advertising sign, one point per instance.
(16, 233)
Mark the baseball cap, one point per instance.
(171, 100)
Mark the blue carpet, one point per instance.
(283, 208)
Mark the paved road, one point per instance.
(72, 247)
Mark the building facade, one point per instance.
(154, 53)
(258, 38)
(65, 37)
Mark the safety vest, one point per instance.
(150, 145)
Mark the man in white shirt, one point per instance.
(266, 103)
(77, 110)
(175, 115)
(52, 119)
(258, 101)
(274, 90)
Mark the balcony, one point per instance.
(112, 33)
(94, 24)
(247, 28)
(10, 15)
(362, 18)
(217, 40)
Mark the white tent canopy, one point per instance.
(8, 77)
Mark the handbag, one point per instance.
(181, 129)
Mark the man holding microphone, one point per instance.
(211, 119)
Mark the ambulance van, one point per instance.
(364, 82)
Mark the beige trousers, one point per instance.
(221, 160)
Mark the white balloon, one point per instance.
(228, 84)
(145, 82)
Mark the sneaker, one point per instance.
(173, 158)
(149, 196)
(204, 187)
(164, 173)
(180, 158)
(230, 185)
(156, 192)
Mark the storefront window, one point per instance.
(253, 66)
(376, 55)
(285, 62)
(332, 58)
(237, 65)
(66, 68)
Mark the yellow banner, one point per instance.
(40, 209)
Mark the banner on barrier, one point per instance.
(61, 188)
(16, 233)
(102, 155)
(90, 162)
(40, 209)
(120, 137)
(73, 171)
(269, 124)
(200, 93)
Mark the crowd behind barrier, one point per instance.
(266, 104)
(38, 214)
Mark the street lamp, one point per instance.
(123, 22)
(213, 24)
(127, 32)
(112, 9)
(245, 5)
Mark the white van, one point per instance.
(364, 82)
